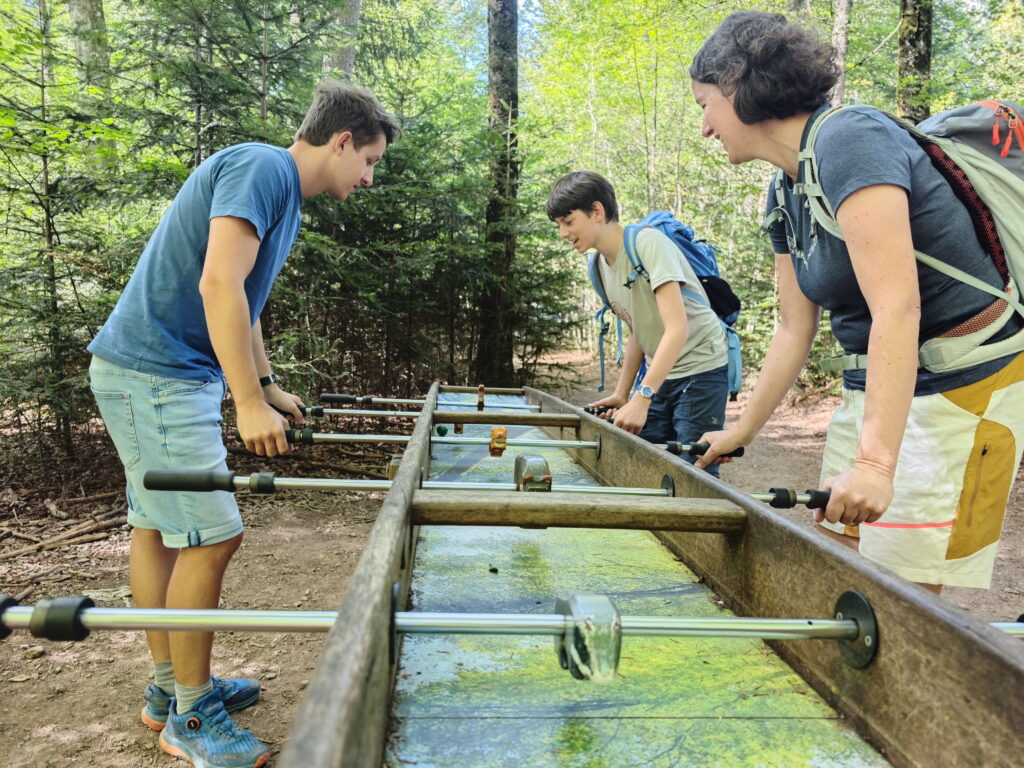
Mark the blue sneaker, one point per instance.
(236, 693)
(207, 737)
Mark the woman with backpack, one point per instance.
(919, 461)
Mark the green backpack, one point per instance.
(979, 150)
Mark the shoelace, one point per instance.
(223, 723)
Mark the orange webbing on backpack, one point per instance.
(981, 216)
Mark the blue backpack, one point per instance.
(701, 256)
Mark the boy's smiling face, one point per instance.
(580, 228)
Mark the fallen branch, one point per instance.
(70, 542)
(95, 497)
(68, 537)
(24, 536)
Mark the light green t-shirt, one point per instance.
(706, 348)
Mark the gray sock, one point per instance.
(163, 676)
(188, 695)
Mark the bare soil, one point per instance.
(79, 702)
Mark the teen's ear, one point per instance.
(340, 140)
(597, 212)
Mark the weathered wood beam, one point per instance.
(572, 510)
(342, 719)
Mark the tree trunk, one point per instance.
(54, 396)
(89, 29)
(915, 59)
(840, 36)
(344, 58)
(494, 364)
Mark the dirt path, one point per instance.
(62, 699)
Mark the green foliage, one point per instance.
(380, 293)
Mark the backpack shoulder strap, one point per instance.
(637, 268)
(808, 185)
(594, 270)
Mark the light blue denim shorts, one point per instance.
(161, 423)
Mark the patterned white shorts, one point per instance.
(957, 463)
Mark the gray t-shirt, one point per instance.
(860, 147)
(706, 347)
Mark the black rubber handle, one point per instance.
(6, 601)
(696, 449)
(303, 436)
(782, 498)
(785, 498)
(302, 410)
(329, 397)
(188, 480)
(60, 618)
(596, 410)
(818, 499)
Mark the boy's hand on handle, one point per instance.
(613, 401)
(285, 402)
(861, 494)
(719, 444)
(633, 415)
(262, 428)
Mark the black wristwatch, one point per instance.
(266, 381)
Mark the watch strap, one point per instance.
(266, 381)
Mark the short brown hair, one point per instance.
(579, 190)
(340, 107)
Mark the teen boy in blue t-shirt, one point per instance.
(187, 321)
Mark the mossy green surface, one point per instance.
(490, 700)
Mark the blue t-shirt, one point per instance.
(860, 147)
(159, 324)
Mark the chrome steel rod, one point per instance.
(514, 442)
(445, 485)
(244, 482)
(328, 437)
(180, 620)
(218, 620)
(518, 442)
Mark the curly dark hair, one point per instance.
(773, 68)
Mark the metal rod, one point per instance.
(326, 437)
(244, 482)
(419, 622)
(455, 486)
(515, 442)
(215, 620)
(518, 442)
(382, 414)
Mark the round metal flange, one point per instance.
(860, 651)
(668, 484)
(597, 451)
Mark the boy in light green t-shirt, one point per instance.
(685, 387)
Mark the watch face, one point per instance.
(647, 392)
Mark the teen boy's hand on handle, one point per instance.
(613, 401)
(284, 402)
(720, 443)
(262, 428)
(633, 415)
(861, 494)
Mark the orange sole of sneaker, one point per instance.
(149, 722)
(174, 751)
